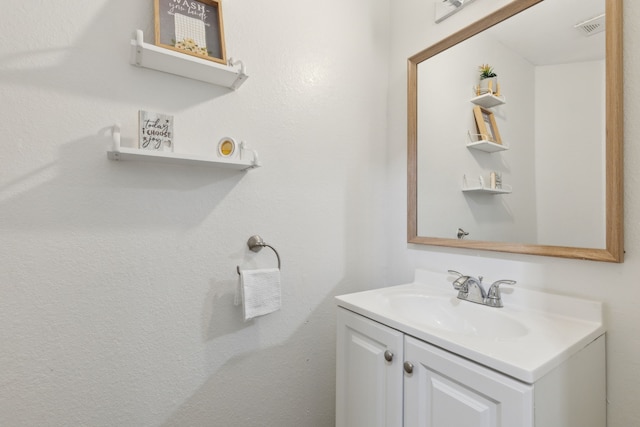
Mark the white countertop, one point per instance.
(547, 328)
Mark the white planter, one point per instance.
(488, 85)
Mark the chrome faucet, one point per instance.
(471, 289)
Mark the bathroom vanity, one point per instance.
(415, 355)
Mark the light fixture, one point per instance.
(446, 8)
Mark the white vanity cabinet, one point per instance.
(423, 385)
(444, 390)
(369, 373)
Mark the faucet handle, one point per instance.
(504, 282)
(460, 283)
(494, 298)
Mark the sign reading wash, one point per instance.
(193, 27)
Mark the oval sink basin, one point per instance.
(456, 316)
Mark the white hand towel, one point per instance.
(260, 290)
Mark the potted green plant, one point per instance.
(488, 79)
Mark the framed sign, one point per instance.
(155, 131)
(486, 124)
(193, 27)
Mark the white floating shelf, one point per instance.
(487, 146)
(156, 58)
(124, 153)
(489, 100)
(505, 190)
(177, 158)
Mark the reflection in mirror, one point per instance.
(548, 174)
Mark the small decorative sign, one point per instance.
(193, 27)
(486, 124)
(155, 131)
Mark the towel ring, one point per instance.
(255, 244)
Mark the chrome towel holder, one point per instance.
(255, 244)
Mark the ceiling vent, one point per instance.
(591, 26)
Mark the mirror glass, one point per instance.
(531, 162)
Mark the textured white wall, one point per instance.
(117, 278)
(615, 284)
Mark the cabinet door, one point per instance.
(368, 386)
(445, 390)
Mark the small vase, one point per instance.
(488, 85)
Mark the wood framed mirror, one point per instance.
(548, 227)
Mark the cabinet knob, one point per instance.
(388, 356)
(408, 367)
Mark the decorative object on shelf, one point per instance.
(495, 179)
(498, 180)
(486, 124)
(227, 147)
(488, 81)
(155, 131)
(193, 27)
